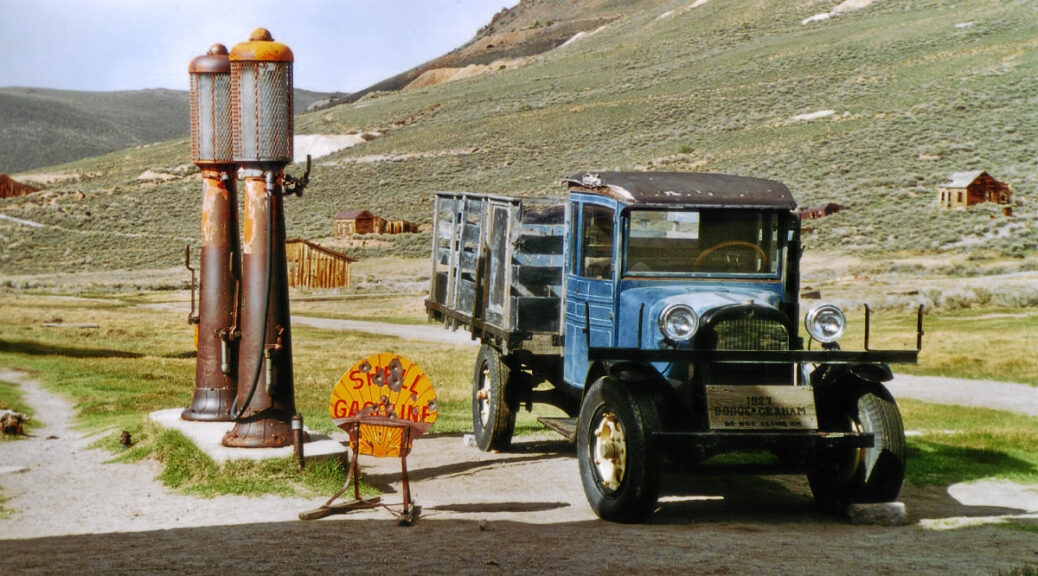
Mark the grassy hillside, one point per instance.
(919, 89)
(42, 127)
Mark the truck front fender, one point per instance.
(830, 379)
(633, 371)
(643, 375)
(877, 373)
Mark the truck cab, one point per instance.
(650, 254)
(665, 320)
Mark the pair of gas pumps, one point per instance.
(241, 126)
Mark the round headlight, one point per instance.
(679, 323)
(825, 323)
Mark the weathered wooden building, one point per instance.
(400, 227)
(963, 189)
(350, 222)
(812, 212)
(314, 266)
(9, 187)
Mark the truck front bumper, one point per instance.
(755, 356)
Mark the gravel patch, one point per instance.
(1020, 398)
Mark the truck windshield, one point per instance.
(724, 242)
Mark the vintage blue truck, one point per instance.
(660, 312)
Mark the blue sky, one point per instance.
(339, 45)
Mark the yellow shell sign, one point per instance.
(387, 386)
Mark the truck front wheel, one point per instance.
(866, 474)
(620, 466)
(493, 410)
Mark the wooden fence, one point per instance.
(313, 266)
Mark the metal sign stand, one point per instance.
(409, 430)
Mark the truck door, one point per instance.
(590, 284)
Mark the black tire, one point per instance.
(493, 410)
(627, 491)
(875, 474)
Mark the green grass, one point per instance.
(188, 468)
(142, 360)
(405, 310)
(964, 444)
(11, 399)
(1021, 526)
(984, 343)
(1023, 570)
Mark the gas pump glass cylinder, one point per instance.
(261, 87)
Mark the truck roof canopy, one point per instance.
(668, 189)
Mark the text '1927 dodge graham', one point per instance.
(660, 311)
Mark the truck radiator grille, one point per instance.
(751, 334)
(747, 332)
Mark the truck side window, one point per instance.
(597, 242)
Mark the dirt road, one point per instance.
(519, 513)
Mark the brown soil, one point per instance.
(522, 512)
(438, 76)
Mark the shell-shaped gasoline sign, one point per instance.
(386, 385)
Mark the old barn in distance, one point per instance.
(9, 187)
(812, 212)
(351, 222)
(314, 266)
(964, 189)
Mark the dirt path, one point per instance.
(520, 512)
(984, 393)
(57, 485)
(426, 332)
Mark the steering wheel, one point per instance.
(763, 257)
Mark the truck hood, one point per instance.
(701, 298)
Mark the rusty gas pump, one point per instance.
(261, 104)
(216, 381)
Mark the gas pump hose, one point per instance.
(266, 300)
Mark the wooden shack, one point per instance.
(398, 226)
(350, 222)
(812, 212)
(9, 187)
(963, 189)
(314, 266)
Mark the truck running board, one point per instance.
(567, 427)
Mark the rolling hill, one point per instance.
(869, 108)
(42, 127)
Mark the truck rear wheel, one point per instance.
(861, 475)
(620, 466)
(493, 410)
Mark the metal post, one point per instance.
(298, 437)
